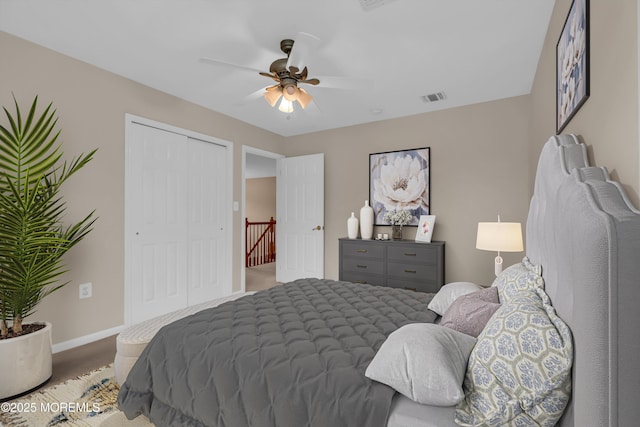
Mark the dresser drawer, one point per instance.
(362, 250)
(406, 271)
(413, 253)
(355, 277)
(363, 265)
(429, 287)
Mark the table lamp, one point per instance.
(499, 237)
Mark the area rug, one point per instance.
(87, 401)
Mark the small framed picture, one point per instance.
(425, 228)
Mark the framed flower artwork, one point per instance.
(400, 180)
(425, 228)
(572, 64)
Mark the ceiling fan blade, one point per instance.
(303, 74)
(310, 81)
(271, 76)
(303, 45)
(294, 70)
(350, 83)
(272, 96)
(212, 61)
(251, 97)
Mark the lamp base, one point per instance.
(498, 266)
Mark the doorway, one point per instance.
(258, 211)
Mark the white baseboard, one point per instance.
(77, 342)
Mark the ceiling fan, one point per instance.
(290, 72)
(287, 77)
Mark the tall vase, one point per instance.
(366, 221)
(352, 226)
(396, 232)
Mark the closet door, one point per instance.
(156, 210)
(177, 221)
(209, 256)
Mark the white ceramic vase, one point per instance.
(352, 226)
(366, 221)
(25, 362)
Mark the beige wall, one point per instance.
(260, 199)
(91, 105)
(608, 121)
(479, 169)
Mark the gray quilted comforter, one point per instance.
(291, 356)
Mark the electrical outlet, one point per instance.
(85, 290)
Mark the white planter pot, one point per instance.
(25, 362)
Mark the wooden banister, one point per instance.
(260, 242)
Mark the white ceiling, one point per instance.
(472, 50)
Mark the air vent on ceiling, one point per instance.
(372, 4)
(434, 97)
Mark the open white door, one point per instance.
(300, 210)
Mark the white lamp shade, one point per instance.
(499, 236)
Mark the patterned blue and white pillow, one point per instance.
(523, 276)
(519, 372)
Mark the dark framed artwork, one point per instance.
(400, 180)
(572, 64)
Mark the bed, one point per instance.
(301, 354)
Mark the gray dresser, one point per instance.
(396, 263)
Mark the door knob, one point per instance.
(316, 228)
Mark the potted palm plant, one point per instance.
(33, 240)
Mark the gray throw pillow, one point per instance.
(425, 362)
(470, 313)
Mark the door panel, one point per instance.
(158, 212)
(300, 210)
(209, 262)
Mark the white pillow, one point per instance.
(448, 294)
(424, 362)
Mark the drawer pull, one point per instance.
(360, 281)
(361, 266)
(362, 251)
(410, 271)
(411, 289)
(409, 254)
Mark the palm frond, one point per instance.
(33, 237)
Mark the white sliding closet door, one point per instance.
(176, 222)
(158, 214)
(208, 248)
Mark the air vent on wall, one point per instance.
(434, 97)
(372, 4)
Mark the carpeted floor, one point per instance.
(260, 277)
(89, 400)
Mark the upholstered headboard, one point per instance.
(585, 234)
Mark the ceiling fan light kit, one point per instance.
(288, 78)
